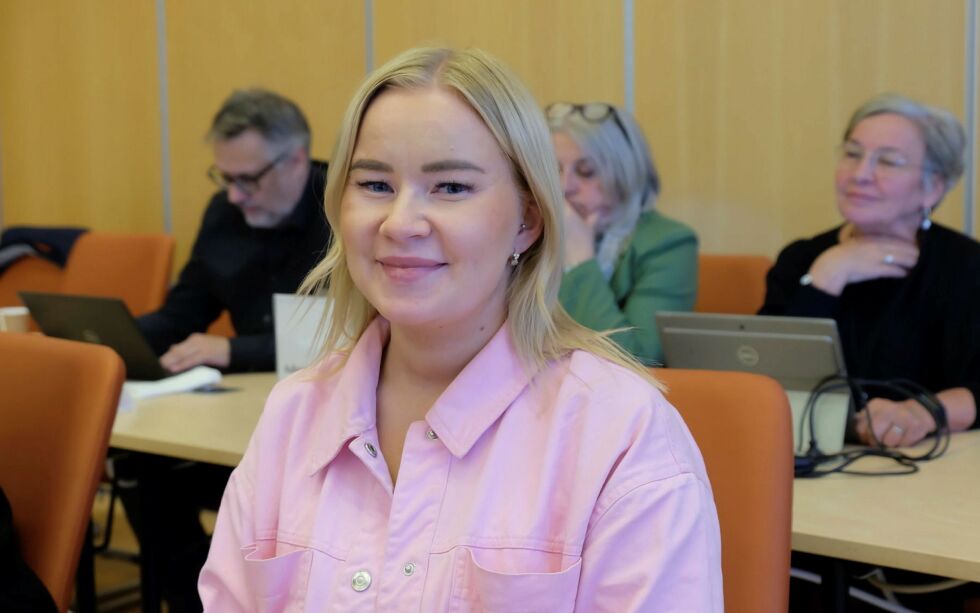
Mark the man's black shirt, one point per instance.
(238, 268)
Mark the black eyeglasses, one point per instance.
(248, 183)
(596, 112)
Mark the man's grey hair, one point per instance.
(942, 133)
(280, 122)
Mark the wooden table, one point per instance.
(927, 522)
(210, 427)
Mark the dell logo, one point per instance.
(747, 355)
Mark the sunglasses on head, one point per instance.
(595, 112)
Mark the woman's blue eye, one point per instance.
(452, 188)
(378, 187)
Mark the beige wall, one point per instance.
(563, 50)
(216, 46)
(79, 114)
(743, 102)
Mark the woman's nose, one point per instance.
(569, 185)
(865, 169)
(405, 218)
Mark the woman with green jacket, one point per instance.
(624, 261)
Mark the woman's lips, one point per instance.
(407, 269)
(859, 197)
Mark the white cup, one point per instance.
(14, 319)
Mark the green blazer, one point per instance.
(658, 271)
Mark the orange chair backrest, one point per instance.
(59, 401)
(222, 326)
(731, 283)
(742, 425)
(31, 274)
(133, 267)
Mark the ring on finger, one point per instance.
(898, 428)
(889, 258)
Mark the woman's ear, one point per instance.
(531, 227)
(935, 189)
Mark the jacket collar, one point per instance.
(476, 398)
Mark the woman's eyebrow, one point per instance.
(371, 165)
(444, 165)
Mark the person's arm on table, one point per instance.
(906, 422)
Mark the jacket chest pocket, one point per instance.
(287, 578)
(514, 581)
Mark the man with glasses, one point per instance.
(261, 234)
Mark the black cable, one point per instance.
(808, 464)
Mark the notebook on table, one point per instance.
(797, 352)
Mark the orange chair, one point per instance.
(133, 267)
(59, 401)
(222, 326)
(731, 283)
(742, 425)
(31, 274)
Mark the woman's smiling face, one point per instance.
(431, 212)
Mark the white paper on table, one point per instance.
(196, 377)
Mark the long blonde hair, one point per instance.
(541, 330)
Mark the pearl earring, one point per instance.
(926, 222)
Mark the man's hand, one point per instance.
(197, 349)
(895, 424)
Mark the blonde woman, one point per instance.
(623, 259)
(469, 447)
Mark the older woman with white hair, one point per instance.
(905, 291)
(623, 259)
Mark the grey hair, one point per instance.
(626, 170)
(942, 134)
(280, 122)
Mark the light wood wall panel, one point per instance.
(745, 102)
(79, 122)
(562, 50)
(311, 52)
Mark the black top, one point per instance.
(924, 327)
(237, 267)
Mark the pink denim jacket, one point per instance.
(581, 490)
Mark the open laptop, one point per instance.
(105, 321)
(798, 352)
